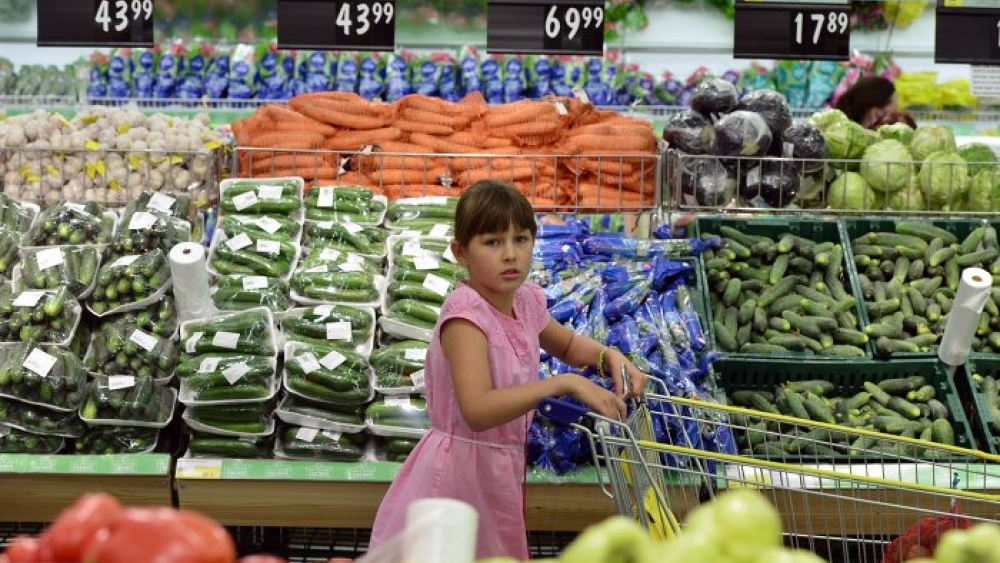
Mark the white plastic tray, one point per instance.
(362, 348)
(199, 427)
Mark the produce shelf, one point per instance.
(980, 414)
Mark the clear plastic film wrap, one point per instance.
(122, 348)
(240, 292)
(323, 260)
(106, 440)
(399, 366)
(49, 315)
(260, 255)
(357, 286)
(303, 442)
(408, 412)
(327, 373)
(140, 230)
(125, 400)
(260, 367)
(160, 318)
(415, 269)
(130, 280)
(346, 237)
(14, 441)
(414, 312)
(394, 448)
(347, 204)
(40, 420)
(210, 445)
(8, 250)
(70, 223)
(15, 215)
(247, 418)
(277, 227)
(330, 324)
(176, 206)
(294, 409)
(247, 332)
(42, 375)
(265, 196)
(73, 267)
(425, 215)
(228, 380)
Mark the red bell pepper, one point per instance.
(163, 535)
(66, 540)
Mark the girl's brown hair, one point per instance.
(491, 206)
(867, 93)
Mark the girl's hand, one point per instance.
(597, 398)
(636, 379)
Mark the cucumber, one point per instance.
(925, 231)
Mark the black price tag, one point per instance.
(967, 32)
(784, 30)
(568, 27)
(95, 23)
(359, 25)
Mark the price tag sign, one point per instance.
(967, 32)
(792, 30)
(112, 23)
(360, 25)
(564, 27)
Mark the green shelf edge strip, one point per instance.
(120, 464)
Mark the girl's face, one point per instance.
(498, 263)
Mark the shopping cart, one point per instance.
(843, 493)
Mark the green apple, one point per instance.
(615, 540)
(953, 547)
(690, 548)
(742, 521)
(783, 555)
(983, 542)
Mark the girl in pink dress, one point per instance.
(482, 377)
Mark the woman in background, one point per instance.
(868, 100)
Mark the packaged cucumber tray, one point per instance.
(329, 275)
(345, 204)
(327, 373)
(421, 274)
(340, 325)
(130, 283)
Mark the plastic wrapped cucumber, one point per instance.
(324, 260)
(281, 228)
(70, 223)
(176, 205)
(419, 246)
(212, 363)
(206, 444)
(329, 324)
(395, 363)
(40, 420)
(248, 332)
(343, 203)
(141, 231)
(14, 441)
(73, 267)
(414, 312)
(238, 382)
(121, 348)
(46, 315)
(240, 292)
(298, 410)
(129, 279)
(104, 440)
(248, 418)
(327, 374)
(422, 208)
(8, 250)
(277, 196)
(404, 412)
(337, 287)
(15, 215)
(346, 237)
(122, 400)
(43, 375)
(301, 442)
(395, 449)
(260, 255)
(160, 318)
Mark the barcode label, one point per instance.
(49, 258)
(244, 200)
(241, 240)
(146, 341)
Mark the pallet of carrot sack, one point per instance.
(908, 273)
(781, 287)
(912, 398)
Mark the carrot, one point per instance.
(350, 97)
(401, 147)
(392, 176)
(496, 143)
(382, 161)
(600, 142)
(474, 104)
(517, 172)
(455, 121)
(328, 114)
(440, 145)
(287, 140)
(399, 191)
(261, 164)
(423, 127)
(354, 140)
(523, 111)
(468, 138)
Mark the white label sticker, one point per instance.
(254, 282)
(141, 220)
(192, 342)
(79, 207)
(397, 401)
(354, 258)
(322, 311)
(412, 233)
(208, 365)
(333, 436)
(124, 261)
(244, 200)
(340, 330)
(235, 372)
(561, 108)
(268, 247)
(449, 255)
(332, 360)
(226, 340)
(440, 230)
(49, 258)
(39, 362)
(412, 248)
(418, 378)
(308, 362)
(269, 192)
(330, 254)
(437, 284)
(325, 198)
(324, 225)
(241, 240)
(161, 202)
(426, 263)
(306, 434)
(415, 354)
(268, 224)
(350, 267)
(321, 269)
(353, 228)
(435, 200)
(28, 298)
(116, 382)
(146, 341)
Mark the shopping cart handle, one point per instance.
(561, 412)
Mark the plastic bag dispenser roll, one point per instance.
(447, 531)
(963, 318)
(190, 275)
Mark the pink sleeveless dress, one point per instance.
(485, 469)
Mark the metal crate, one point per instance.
(553, 182)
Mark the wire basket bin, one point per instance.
(842, 512)
(552, 182)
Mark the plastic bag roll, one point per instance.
(963, 318)
(448, 530)
(191, 295)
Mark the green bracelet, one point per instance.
(600, 362)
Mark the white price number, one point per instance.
(575, 19)
(836, 23)
(365, 14)
(115, 14)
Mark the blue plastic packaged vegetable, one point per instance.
(491, 74)
(514, 79)
(120, 68)
(692, 323)
(397, 76)
(371, 79)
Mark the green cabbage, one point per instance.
(910, 199)
(827, 117)
(931, 138)
(984, 191)
(898, 131)
(850, 191)
(847, 140)
(887, 166)
(944, 178)
(978, 156)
